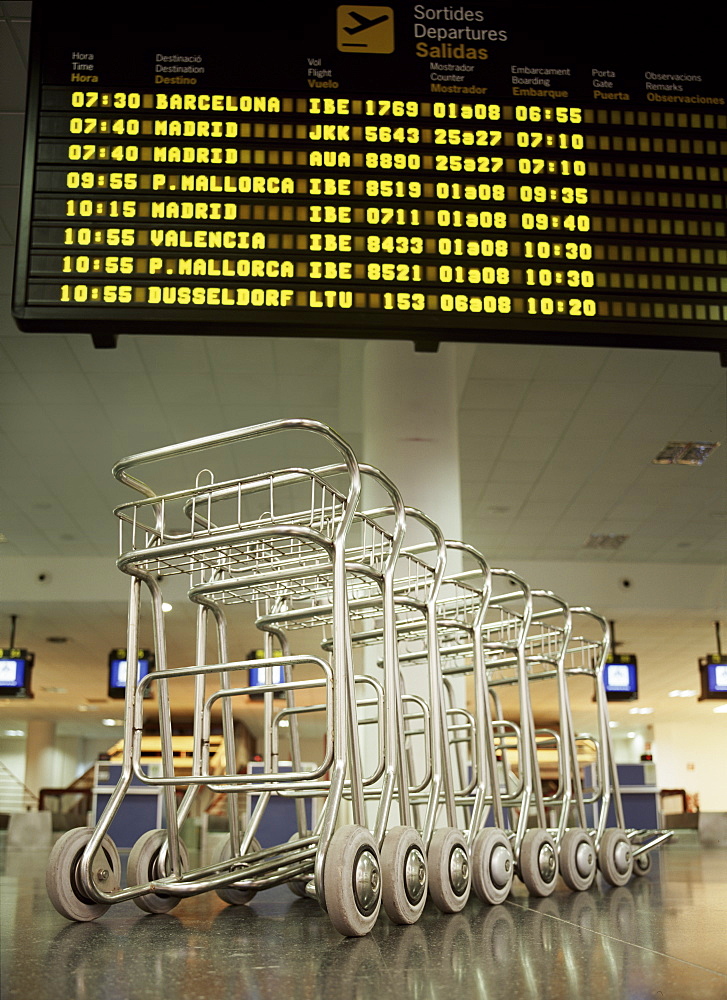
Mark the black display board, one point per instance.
(514, 172)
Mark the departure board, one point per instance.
(521, 172)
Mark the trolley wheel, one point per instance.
(404, 875)
(352, 881)
(615, 858)
(449, 870)
(144, 866)
(538, 862)
(297, 885)
(577, 858)
(230, 893)
(61, 874)
(493, 867)
(642, 864)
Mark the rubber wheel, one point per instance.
(615, 859)
(449, 870)
(352, 881)
(297, 885)
(538, 862)
(143, 866)
(60, 877)
(229, 893)
(493, 866)
(577, 860)
(642, 864)
(403, 875)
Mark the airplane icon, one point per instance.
(364, 22)
(365, 29)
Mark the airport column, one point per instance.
(35, 827)
(410, 428)
(410, 432)
(39, 755)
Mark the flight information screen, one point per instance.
(474, 171)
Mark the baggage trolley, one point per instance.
(621, 852)
(371, 571)
(423, 797)
(243, 540)
(524, 644)
(515, 640)
(462, 610)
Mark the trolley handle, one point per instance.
(483, 568)
(606, 629)
(437, 543)
(397, 509)
(523, 593)
(120, 469)
(561, 608)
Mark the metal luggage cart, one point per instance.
(510, 639)
(372, 555)
(253, 541)
(621, 852)
(461, 612)
(424, 794)
(516, 639)
(514, 643)
(546, 661)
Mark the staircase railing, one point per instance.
(15, 796)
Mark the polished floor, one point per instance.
(662, 936)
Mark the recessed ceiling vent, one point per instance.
(685, 453)
(604, 541)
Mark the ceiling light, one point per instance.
(670, 452)
(19, 732)
(631, 736)
(604, 541)
(685, 453)
(86, 708)
(641, 711)
(166, 607)
(112, 722)
(613, 724)
(698, 452)
(720, 708)
(285, 722)
(682, 694)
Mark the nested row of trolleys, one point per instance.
(378, 626)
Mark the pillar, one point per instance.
(410, 432)
(40, 755)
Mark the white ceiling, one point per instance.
(555, 443)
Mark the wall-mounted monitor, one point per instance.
(118, 670)
(15, 669)
(264, 675)
(713, 676)
(621, 678)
